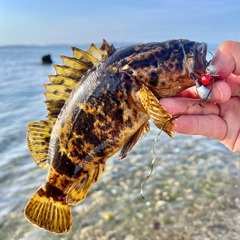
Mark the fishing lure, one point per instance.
(206, 79)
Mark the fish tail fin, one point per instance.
(45, 212)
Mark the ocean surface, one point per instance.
(193, 193)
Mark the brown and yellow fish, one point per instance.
(99, 102)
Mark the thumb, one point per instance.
(227, 59)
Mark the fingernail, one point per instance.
(221, 93)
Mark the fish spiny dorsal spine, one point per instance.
(57, 93)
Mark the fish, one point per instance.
(99, 103)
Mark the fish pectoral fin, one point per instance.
(78, 191)
(45, 212)
(133, 140)
(158, 114)
(38, 137)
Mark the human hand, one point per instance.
(220, 118)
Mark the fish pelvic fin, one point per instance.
(45, 212)
(79, 190)
(158, 114)
(133, 140)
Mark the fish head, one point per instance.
(165, 67)
(194, 55)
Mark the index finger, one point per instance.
(234, 84)
(221, 92)
(186, 106)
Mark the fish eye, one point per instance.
(176, 46)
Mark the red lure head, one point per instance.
(206, 79)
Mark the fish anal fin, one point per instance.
(132, 141)
(158, 114)
(78, 191)
(98, 172)
(45, 212)
(38, 137)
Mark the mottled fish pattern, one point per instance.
(99, 102)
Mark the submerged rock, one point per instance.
(46, 59)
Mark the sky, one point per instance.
(46, 22)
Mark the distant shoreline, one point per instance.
(84, 45)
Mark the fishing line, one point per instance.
(185, 61)
(154, 153)
(153, 148)
(173, 118)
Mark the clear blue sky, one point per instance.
(76, 22)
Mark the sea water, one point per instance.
(193, 191)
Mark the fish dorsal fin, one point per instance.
(38, 136)
(158, 114)
(100, 53)
(68, 75)
(94, 54)
(57, 93)
(78, 191)
(133, 140)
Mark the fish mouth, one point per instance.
(200, 57)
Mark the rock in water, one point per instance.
(46, 59)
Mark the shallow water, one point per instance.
(194, 192)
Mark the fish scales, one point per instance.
(108, 110)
